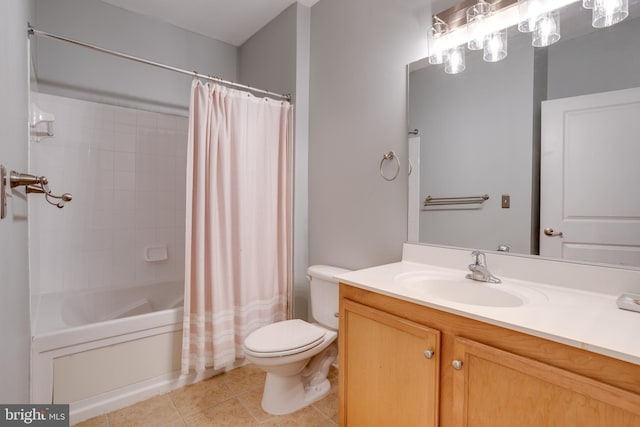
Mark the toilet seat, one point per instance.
(283, 338)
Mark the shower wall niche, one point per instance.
(126, 169)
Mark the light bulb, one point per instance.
(529, 11)
(495, 48)
(455, 61)
(609, 12)
(547, 30)
(437, 54)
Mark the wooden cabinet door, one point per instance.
(386, 379)
(496, 388)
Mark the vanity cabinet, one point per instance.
(484, 375)
(391, 369)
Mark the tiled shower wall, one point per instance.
(126, 171)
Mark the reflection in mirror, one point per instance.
(551, 129)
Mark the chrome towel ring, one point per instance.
(390, 156)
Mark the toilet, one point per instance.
(296, 354)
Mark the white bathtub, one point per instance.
(103, 350)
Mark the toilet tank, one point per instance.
(324, 294)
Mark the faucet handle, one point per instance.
(477, 254)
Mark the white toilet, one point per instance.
(296, 354)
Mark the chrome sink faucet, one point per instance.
(479, 269)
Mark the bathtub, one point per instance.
(103, 350)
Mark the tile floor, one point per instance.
(230, 399)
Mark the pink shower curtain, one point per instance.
(238, 226)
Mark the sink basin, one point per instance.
(449, 287)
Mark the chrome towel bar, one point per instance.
(469, 200)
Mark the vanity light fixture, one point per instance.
(609, 12)
(483, 24)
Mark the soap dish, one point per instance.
(629, 302)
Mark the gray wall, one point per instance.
(477, 140)
(604, 60)
(277, 58)
(68, 70)
(359, 50)
(268, 59)
(14, 274)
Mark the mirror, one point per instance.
(480, 133)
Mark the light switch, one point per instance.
(506, 201)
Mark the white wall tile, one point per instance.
(124, 200)
(101, 267)
(124, 180)
(105, 159)
(165, 121)
(146, 119)
(166, 218)
(125, 116)
(125, 138)
(101, 219)
(124, 162)
(126, 171)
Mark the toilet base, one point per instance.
(284, 395)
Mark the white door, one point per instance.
(590, 178)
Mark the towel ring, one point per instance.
(390, 156)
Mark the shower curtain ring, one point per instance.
(390, 156)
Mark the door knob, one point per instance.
(457, 364)
(550, 232)
(429, 354)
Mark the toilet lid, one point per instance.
(284, 338)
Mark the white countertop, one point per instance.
(575, 317)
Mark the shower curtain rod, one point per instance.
(33, 31)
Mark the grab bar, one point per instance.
(468, 200)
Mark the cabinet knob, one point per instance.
(429, 354)
(457, 364)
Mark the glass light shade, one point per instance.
(587, 4)
(529, 11)
(437, 55)
(547, 30)
(455, 61)
(495, 48)
(609, 12)
(476, 25)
